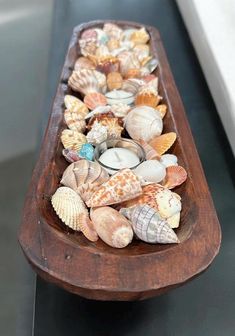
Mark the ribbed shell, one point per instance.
(88, 46)
(95, 99)
(83, 63)
(73, 122)
(84, 81)
(149, 226)
(150, 152)
(75, 105)
(112, 30)
(113, 228)
(175, 176)
(72, 139)
(97, 134)
(163, 142)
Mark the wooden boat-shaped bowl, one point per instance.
(95, 270)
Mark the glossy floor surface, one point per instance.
(204, 306)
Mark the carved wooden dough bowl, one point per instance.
(95, 270)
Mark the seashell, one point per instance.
(147, 98)
(86, 190)
(72, 139)
(145, 61)
(113, 228)
(120, 110)
(132, 85)
(88, 46)
(101, 78)
(174, 221)
(169, 160)
(122, 186)
(88, 34)
(112, 30)
(73, 122)
(71, 209)
(113, 127)
(163, 142)
(75, 105)
(149, 226)
(162, 109)
(98, 110)
(133, 73)
(107, 65)
(102, 37)
(127, 45)
(100, 117)
(86, 152)
(84, 81)
(151, 171)
(149, 77)
(114, 81)
(126, 34)
(83, 63)
(143, 122)
(97, 134)
(84, 172)
(102, 51)
(175, 176)
(166, 202)
(95, 99)
(113, 44)
(70, 155)
(151, 65)
(150, 152)
(141, 51)
(128, 61)
(140, 36)
(152, 84)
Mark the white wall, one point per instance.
(25, 30)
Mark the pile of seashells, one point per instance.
(129, 203)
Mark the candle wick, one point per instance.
(117, 156)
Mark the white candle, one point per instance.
(119, 158)
(119, 96)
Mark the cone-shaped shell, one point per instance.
(82, 172)
(162, 109)
(175, 176)
(75, 105)
(149, 226)
(163, 142)
(72, 139)
(95, 99)
(73, 122)
(143, 122)
(70, 208)
(114, 81)
(113, 228)
(122, 186)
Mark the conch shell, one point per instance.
(84, 81)
(97, 134)
(122, 186)
(163, 142)
(149, 226)
(71, 209)
(75, 105)
(143, 122)
(72, 139)
(113, 228)
(74, 122)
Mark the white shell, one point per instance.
(174, 221)
(169, 160)
(120, 110)
(151, 171)
(98, 110)
(168, 202)
(97, 134)
(149, 226)
(143, 123)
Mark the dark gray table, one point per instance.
(205, 306)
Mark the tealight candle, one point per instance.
(120, 96)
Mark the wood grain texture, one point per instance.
(95, 270)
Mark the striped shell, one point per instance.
(113, 228)
(122, 186)
(75, 105)
(88, 46)
(73, 122)
(162, 109)
(140, 36)
(143, 122)
(149, 226)
(132, 85)
(101, 78)
(84, 81)
(72, 139)
(71, 209)
(83, 172)
(175, 176)
(95, 99)
(163, 142)
(150, 152)
(83, 63)
(114, 81)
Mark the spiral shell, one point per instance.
(163, 142)
(175, 176)
(140, 36)
(73, 122)
(122, 186)
(114, 81)
(72, 139)
(97, 134)
(84, 81)
(149, 226)
(83, 63)
(113, 228)
(143, 122)
(95, 99)
(75, 105)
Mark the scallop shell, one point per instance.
(120, 110)
(101, 78)
(71, 209)
(95, 99)
(73, 122)
(128, 61)
(83, 172)
(169, 160)
(175, 176)
(97, 134)
(163, 142)
(162, 109)
(84, 81)
(113, 44)
(88, 46)
(107, 65)
(150, 152)
(83, 63)
(75, 105)
(72, 139)
(140, 36)
(147, 99)
(114, 81)
(143, 122)
(112, 30)
(113, 228)
(70, 155)
(151, 171)
(149, 226)
(120, 187)
(141, 51)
